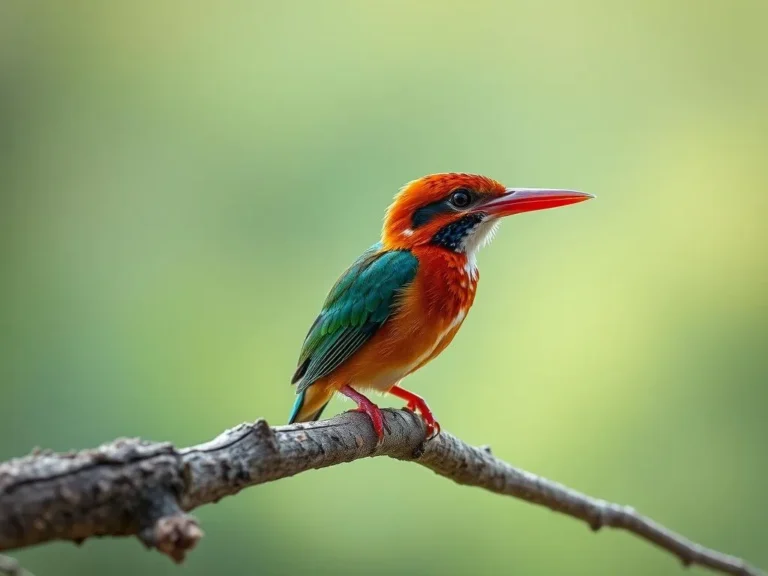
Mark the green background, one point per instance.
(181, 183)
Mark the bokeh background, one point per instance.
(182, 182)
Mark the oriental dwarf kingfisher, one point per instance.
(403, 300)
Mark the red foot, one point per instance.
(365, 405)
(417, 404)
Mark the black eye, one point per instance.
(461, 198)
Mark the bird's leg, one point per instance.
(365, 405)
(417, 404)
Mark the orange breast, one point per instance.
(432, 310)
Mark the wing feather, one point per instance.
(363, 298)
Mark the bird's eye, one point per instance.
(461, 198)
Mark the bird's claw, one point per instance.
(373, 411)
(377, 420)
(420, 407)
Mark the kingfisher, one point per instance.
(401, 303)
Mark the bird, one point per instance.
(400, 304)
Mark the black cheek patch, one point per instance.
(451, 235)
(425, 214)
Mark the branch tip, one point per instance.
(174, 536)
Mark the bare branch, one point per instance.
(9, 566)
(134, 487)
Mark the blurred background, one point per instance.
(181, 183)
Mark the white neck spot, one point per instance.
(480, 236)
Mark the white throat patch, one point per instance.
(481, 236)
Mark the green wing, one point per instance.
(359, 303)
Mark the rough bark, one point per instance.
(135, 487)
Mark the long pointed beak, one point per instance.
(518, 200)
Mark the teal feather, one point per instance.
(357, 315)
(357, 305)
(372, 301)
(299, 404)
(296, 407)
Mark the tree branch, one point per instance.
(9, 566)
(135, 487)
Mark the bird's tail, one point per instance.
(310, 404)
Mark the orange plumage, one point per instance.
(402, 303)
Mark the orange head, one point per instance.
(460, 212)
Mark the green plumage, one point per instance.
(358, 304)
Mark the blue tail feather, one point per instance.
(298, 405)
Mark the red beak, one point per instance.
(518, 200)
